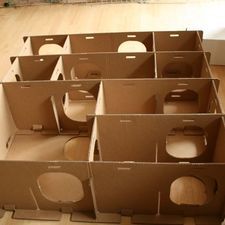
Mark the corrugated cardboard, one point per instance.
(115, 131)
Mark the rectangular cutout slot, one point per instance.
(174, 35)
(130, 57)
(89, 37)
(49, 39)
(131, 36)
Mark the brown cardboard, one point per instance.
(166, 96)
(107, 134)
(153, 145)
(34, 43)
(188, 64)
(178, 41)
(114, 42)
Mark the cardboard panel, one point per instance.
(125, 138)
(148, 179)
(210, 175)
(121, 187)
(28, 194)
(34, 99)
(90, 66)
(185, 64)
(7, 125)
(149, 96)
(143, 37)
(144, 138)
(38, 41)
(134, 65)
(177, 41)
(24, 68)
(90, 43)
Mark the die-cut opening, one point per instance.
(132, 46)
(50, 49)
(181, 101)
(187, 142)
(85, 70)
(76, 149)
(177, 69)
(60, 187)
(79, 103)
(188, 190)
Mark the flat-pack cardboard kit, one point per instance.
(113, 124)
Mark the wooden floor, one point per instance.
(57, 19)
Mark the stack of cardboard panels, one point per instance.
(112, 124)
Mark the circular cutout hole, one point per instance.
(132, 46)
(188, 190)
(177, 70)
(60, 187)
(181, 101)
(77, 148)
(189, 142)
(50, 49)
(78, 104)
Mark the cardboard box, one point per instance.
(105, 134)
(113, 42)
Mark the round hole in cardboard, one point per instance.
(78, 104)
(60, 187)
(181, 101)
(51, 49)
(76, 149)
(186, 143)
(188, 190)
(177, 69)
(132, 46)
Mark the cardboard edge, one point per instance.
(158, 219)
(208, 220)
(37, 215)
(91, 218)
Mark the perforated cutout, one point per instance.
(187, 142)
(78, 104)
(77, 149)
(132, 46)
(188, 190)
(86, 71)
(60, 187)
(181, 101)
(51, 49)
(177, 70)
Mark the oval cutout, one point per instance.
(181, 101)
(79, 103)
(51, 49)
(85, 70)
(132, 46)
(60, 187)
(188, 190)
(76, 149)
(177, 69)
(186, 143)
